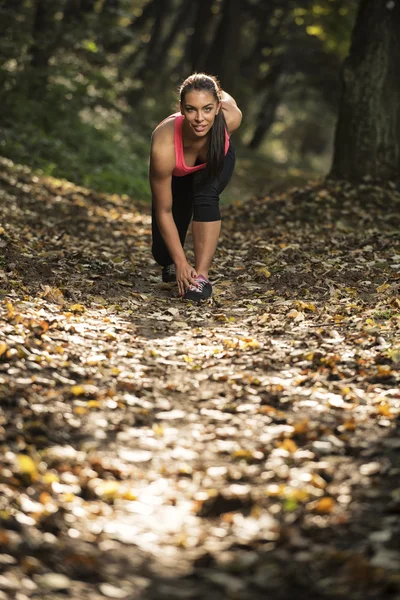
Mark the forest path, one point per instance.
(156, 449)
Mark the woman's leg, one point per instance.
(205, 240)
(206, 225)
(182, 210)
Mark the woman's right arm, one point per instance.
(162, 163)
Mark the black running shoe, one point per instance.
(200, 292)
(169, 273)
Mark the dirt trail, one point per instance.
(244, 449)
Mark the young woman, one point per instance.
(191, 162)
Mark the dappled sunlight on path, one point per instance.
(157, 449)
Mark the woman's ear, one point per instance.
(219, 107)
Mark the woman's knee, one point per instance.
(161, 255)
(206, 208)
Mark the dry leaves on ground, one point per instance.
(156, 449)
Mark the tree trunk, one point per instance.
(163, 10)
(160, 54)
(224, 53)
(367, 138)
(149, 68)
(198, 43)
(138, 25)
(266, 116)
(43, 35)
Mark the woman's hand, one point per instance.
(185, 275)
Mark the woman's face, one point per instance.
(200, 109)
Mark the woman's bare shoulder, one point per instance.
(162, 154)
(164, 132)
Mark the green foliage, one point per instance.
(83, 84)
(331, 21)
(383, 315)
(68, 143)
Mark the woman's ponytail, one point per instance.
(216, 148)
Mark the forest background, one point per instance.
(84, 82)
(245, 448)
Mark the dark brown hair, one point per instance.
(216, 148)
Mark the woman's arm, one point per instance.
(232, 113)
(160, 175)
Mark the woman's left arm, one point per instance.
(232, 113)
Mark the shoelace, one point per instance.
(199, 287)
(170, 269)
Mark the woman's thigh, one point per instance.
(182, 197)
(206, 192)
(227, 171)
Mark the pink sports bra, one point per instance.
(181, 169)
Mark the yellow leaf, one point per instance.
(301, 427)
(393, 354)
(384, 410)
(384, 371)
(383, 287)
(129, 495)
(267, 409)
(338, 318)
(3, 348)
(242, 453)
(44, 498)
(349, 425)
(264, 272)
(264, 318)
(324, 505)
(318, 481)
(300, 495)
(316, 30)
(107, 489)
(110, 334)
(77, 308)
(346, 391)
(78, 390)
(305, 306)
(53, 294)
(10, 309)
(228, 344)
(93, 404)
(49, 478)
(250, 342)
(68, 497)
(288, 445)
(26, 465)
(80, 410)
